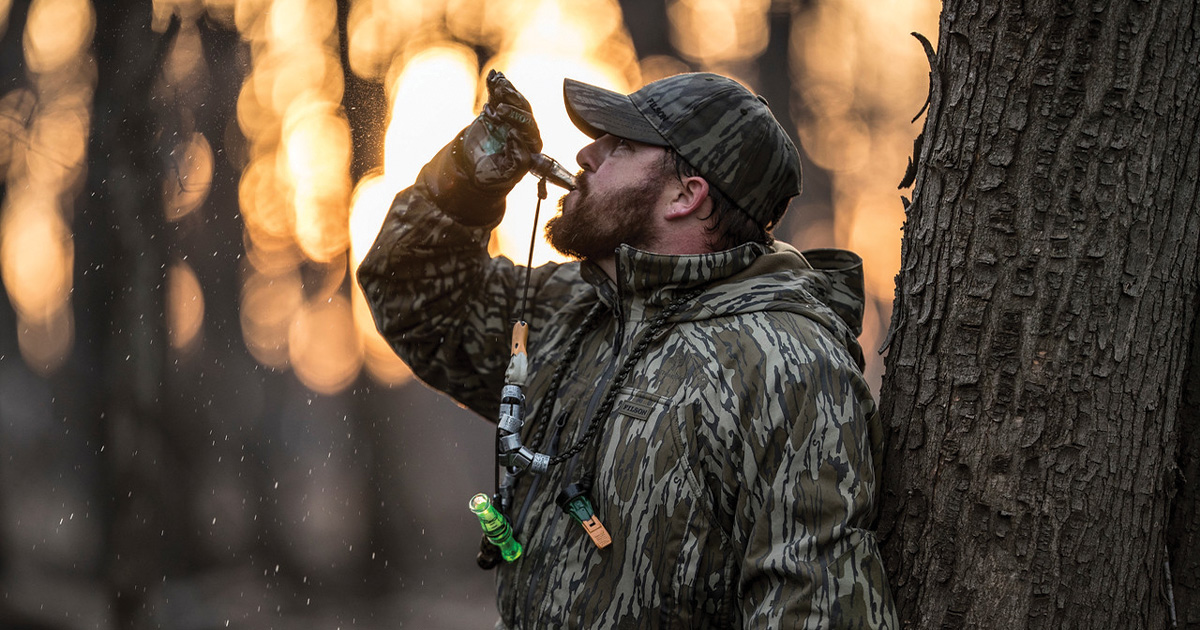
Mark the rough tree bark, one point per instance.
(1043, 321)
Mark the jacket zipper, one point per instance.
(619, 313)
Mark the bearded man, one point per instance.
(698, 383)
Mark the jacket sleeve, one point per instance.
(444, 305)
(810, 560)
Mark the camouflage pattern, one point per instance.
(722, 129)
(737, 472)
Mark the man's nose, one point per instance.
(590, 156)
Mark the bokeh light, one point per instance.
(719, 33)
(35, 255)
(5, 6)
(57, 33)
(432, 97)
(269, 304)
(44, 130)
(316, 147)
(185, 306)
(295, 190)
(323, 346)
(188, 178)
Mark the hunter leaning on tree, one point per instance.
(694, 388)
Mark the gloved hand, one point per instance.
(471, 176)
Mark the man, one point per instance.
(698, 382)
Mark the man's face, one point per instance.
(618, 190)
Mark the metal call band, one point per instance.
(552, 171)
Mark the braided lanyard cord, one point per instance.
(600, 417)
(568, 360)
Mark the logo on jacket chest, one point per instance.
(634, 410)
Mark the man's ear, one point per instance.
(690, 197)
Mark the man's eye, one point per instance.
(624, 143)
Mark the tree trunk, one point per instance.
(1044, 318)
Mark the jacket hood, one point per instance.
(824, 285)
(832, 278)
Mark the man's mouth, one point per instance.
(573, 196)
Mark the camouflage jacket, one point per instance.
(737, 471)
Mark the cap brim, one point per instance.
(597, 111)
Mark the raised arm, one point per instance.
(441, 301)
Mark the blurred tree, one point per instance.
(365, 103)
(12, 77)
(1045, 324)
(122, 247)
(366, 106)
(12, 69)
(648, 27)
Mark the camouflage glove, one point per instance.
(470, 177)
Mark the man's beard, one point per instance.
(598, 224)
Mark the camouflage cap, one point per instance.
(722, 129)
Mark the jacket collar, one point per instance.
(651, 280)
(823, 285)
